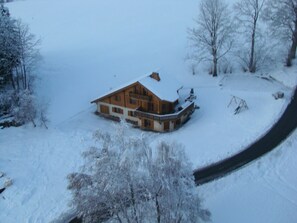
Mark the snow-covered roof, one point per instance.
(165, 89)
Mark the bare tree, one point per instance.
(126, 181)
(19, 52)
(18, 57)
(28, 55)
(281, 15)
(248, 14)
(212, 37)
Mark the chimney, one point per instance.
(155, 76)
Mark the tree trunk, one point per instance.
(133, 204)
(252, 67)
(11, 79)
(17, 79)
(215, 67)
(25, 76)
(294, 55)
(158, 209)
(292, 51)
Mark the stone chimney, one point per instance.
(155, 76)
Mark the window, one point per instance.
(104, 109)
(132, 122)
(117, 110)
(131, 113)
(150, 106)
(144, 91)
(117, 97)
(136, 89)
(166, 126)
(132, 101)
(147, 123)
(164, 108)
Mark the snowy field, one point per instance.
(93, 46)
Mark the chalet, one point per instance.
(150, 103)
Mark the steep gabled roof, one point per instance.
(164, 88)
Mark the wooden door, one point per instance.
(104, 109)
(166, 126)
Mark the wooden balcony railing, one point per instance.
(140, 97)
(167, 117)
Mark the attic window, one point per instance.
(155, 76)
(144, 91)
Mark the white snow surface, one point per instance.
(93, 46)
(264, 191)
(165, 89)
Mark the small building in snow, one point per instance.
(150, 103)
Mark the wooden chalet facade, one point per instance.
(146, 103)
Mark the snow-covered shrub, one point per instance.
(42, 114)
(18, 108)
(125, 180)
(225, 66)
(24, 108)
(8, 182)
(5, 102)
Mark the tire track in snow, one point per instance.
(278, 176)
(282, 194)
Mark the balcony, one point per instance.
(140, 97)
(188, 107)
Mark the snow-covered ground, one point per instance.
(92, 46)
(264, 191)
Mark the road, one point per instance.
(278, 133)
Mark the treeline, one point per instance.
(19, 56)
(252, 32)
(4, 1)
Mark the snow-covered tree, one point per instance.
(18, 57)
(125, 180)
(9, 53)
(248, 15)
(28, 56)
(281, 16)
(212, 37)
